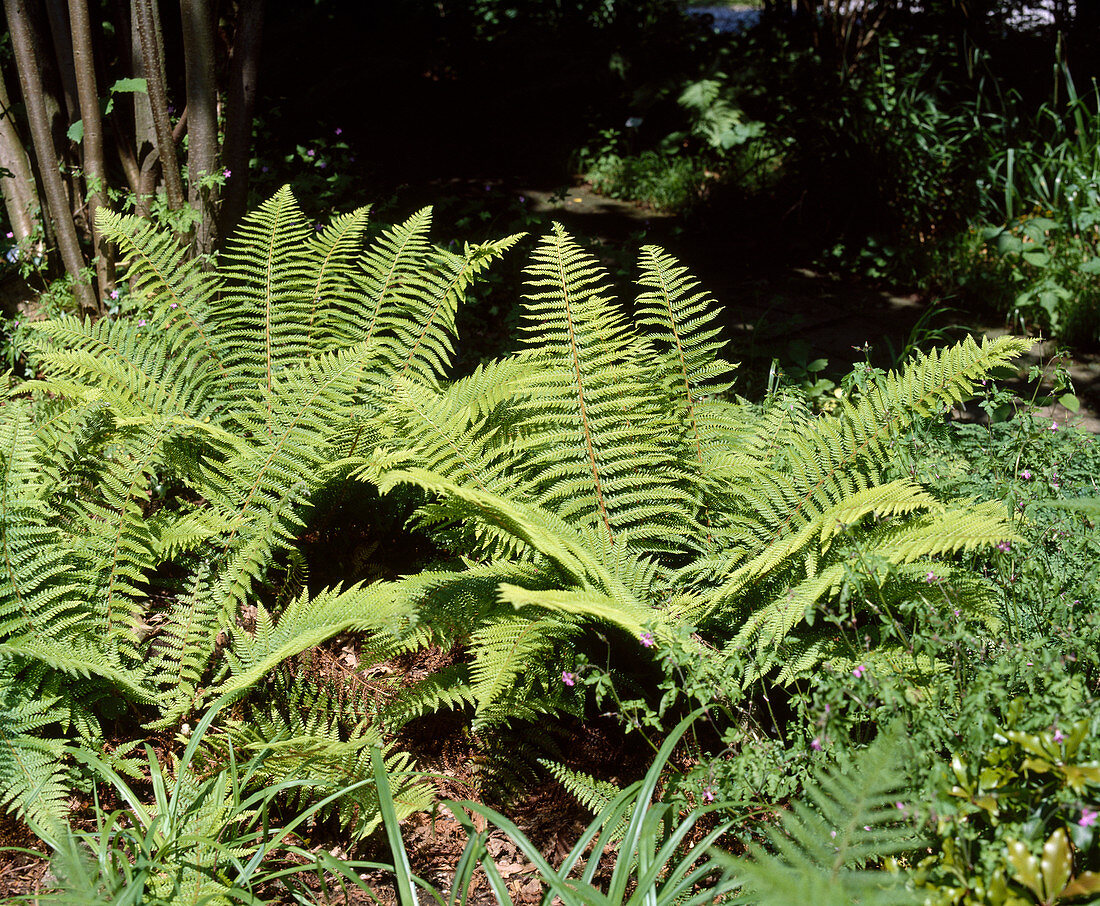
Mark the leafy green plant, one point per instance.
(207, 837)
(605, 458)
(1017, 822)
(650, 859)
(846, 823)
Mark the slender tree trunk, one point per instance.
(63, 53)
(158, 100)
(67, 110)
(30, 80)
(202, 116)
(94, 170)
(244, 70)
(20, 191)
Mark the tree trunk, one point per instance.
(30, 79)
(20, 191)
(94, 170)
(202, 117)
(153, 61)
(244, 70)
(63, 53)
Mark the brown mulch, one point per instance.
(22, 861)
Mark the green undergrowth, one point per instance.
(244, 467)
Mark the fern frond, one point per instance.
(681, 320)
(376, 609)
(263, 316)
(33, 780)
(594, 427)
(849, 821)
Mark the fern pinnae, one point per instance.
(685, 322)
(392, 257)
(159, 266)
(336, 246)
(560, 267)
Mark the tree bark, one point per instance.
(158, 99)
(202, 117)
(30, 80)
(94, 169)
(244, 71)
(19, 190)
(63, 53)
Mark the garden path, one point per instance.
(776, 309)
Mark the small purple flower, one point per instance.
(930, 578)
(1059, 736)
(113, 294)
(815, 744)
(1088, 817)
(646, 639)
(1053, 426)
(264, 168)
(10, 235)
(310, 153)
(174, 305)
(227, 172)
(859, 671)
(568, 678)
(141, 323)
(708, 794)
(1004, 547)
(338, 131)
(15, 324)
(321, 165)
(1026, 475)
(522, 200)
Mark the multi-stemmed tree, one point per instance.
(73, 140)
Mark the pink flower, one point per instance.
(568, 678)
(708, 794)
(1088, 817)
(338, 131)
(930, 578)
(310, 152)
(1059, 736)
(1004, 546)
(859, 671)
(646, 639)
(174, 305)
(815, 744)
(141, 323)
(113, 294)
(1026, 475)
(227, 172)
(1054, 426)
(10, 235)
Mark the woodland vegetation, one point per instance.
(439, 551)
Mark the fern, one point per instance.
(606, 455)
(168, 457)
(844, 822)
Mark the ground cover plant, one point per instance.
(166, 466)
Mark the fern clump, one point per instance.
(164, 464)
(608, 455)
